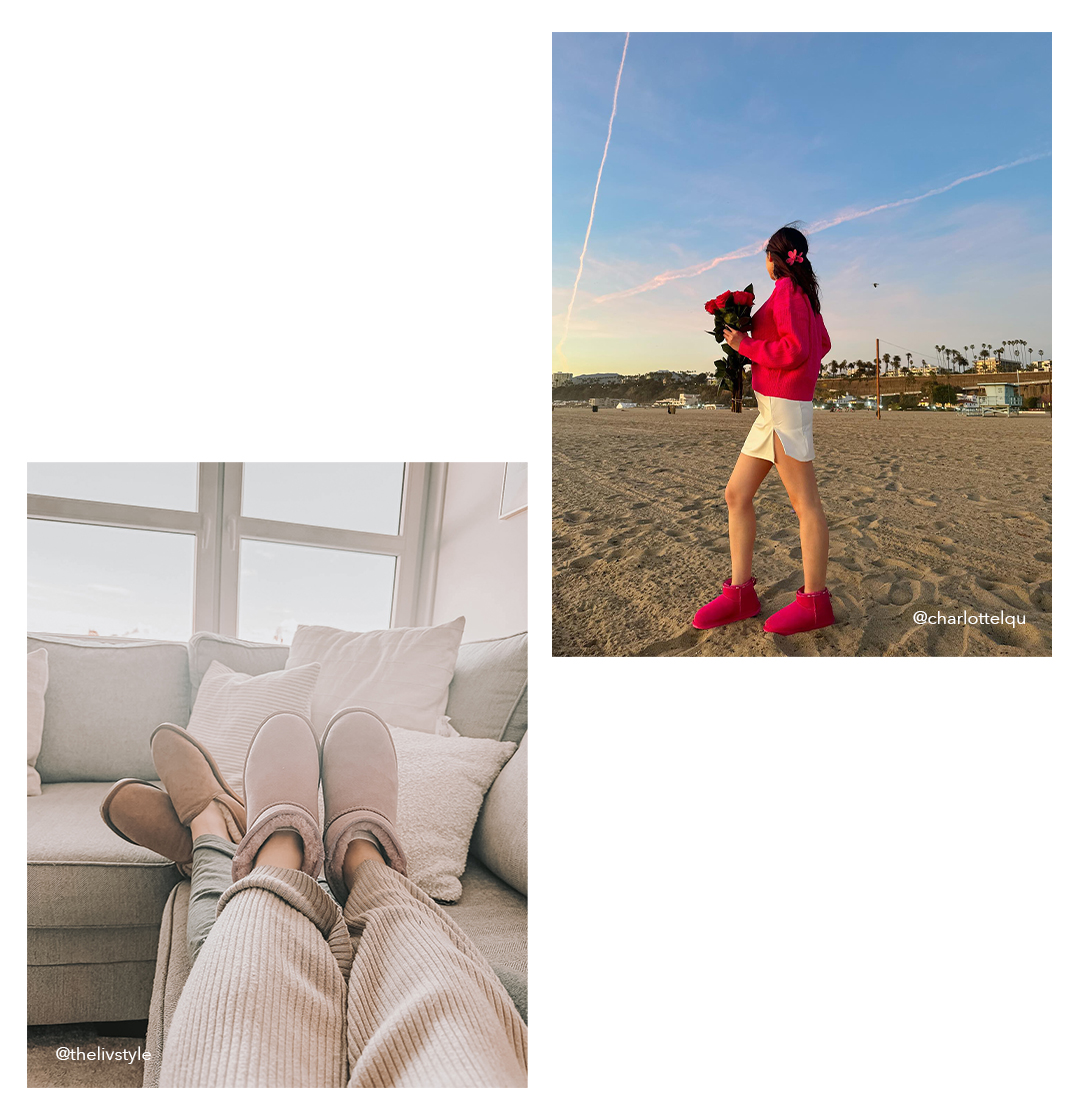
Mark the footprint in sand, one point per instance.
(575, 518)
(943, 543)
(928, 502)
(582, 562)
(1043, 557)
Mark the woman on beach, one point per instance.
(789, 341)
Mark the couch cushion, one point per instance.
(252, 657)
(81, 875)
(488, 695)
(501, 837)
(104, 700)
(496, 919)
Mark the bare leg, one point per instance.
(801, 485)
(282, 849)
(209, 821)
(359, 851)
(745, 479)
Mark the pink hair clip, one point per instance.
(795, 258)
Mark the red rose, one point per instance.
(744, 298)
(711, 306)
(722, 299)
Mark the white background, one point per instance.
(262, 232)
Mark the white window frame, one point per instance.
(219, 525)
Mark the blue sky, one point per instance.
(720, 139)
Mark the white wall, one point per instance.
(482, 560)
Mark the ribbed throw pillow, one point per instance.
(441, 786)
(231, 706)
(403, 675)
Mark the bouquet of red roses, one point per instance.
(731, 309)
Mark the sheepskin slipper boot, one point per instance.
(360, 790)
(143, 814)
(808, 611)
(733, 604)
(281, 780)
(192, 779)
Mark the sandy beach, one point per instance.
(932, 512)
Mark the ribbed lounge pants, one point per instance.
(281, 995)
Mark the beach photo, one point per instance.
(802, 365)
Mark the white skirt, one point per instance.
(792, 420)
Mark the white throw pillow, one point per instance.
(231, 706)
(441, 786)
(403, 675)
(37, 680)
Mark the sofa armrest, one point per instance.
(173, 968)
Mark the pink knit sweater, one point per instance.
(789, 341)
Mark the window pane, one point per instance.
(286, 585)
(363, 496)
(161, 485)
(109, 581)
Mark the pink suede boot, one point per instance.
(808, 611)
(734, 604)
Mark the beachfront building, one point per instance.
(1000, 396)
(923, 370)
(689, 399)
(558, 379)
(1043, 366)
(996, 365)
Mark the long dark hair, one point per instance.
(787, 240)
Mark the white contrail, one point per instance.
(815, 227)
(588, 230)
